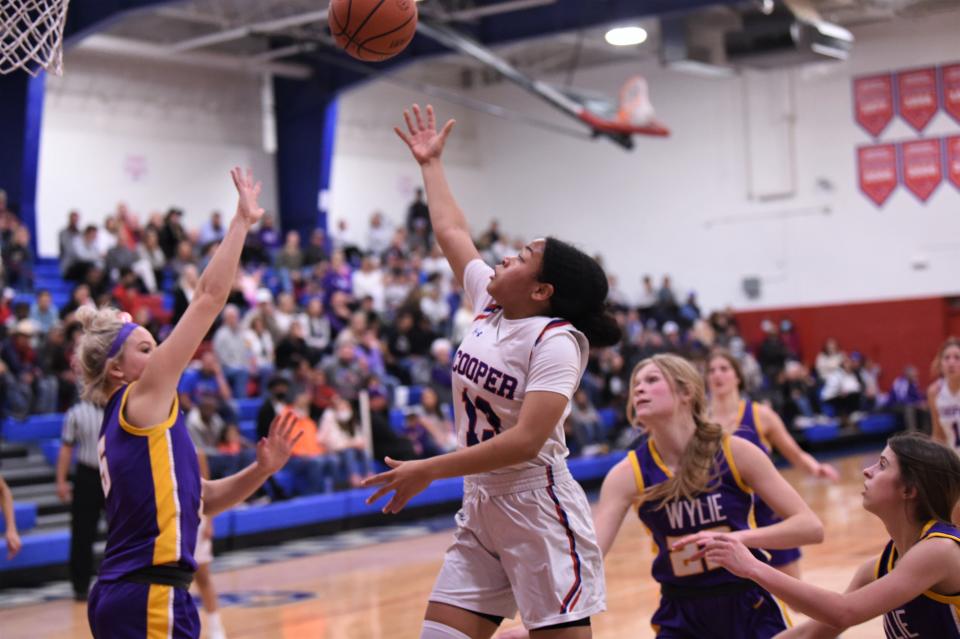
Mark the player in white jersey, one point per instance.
(944, 395)
(524, 538)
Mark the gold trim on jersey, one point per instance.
(159, 612)
(725, 445)
(637, 474)
(657, 459)
(953, 600)
(145, 431)
(757, 426)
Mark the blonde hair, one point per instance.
(698, 467)
(100, 328)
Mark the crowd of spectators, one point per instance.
(312, 321)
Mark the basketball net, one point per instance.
(31, 35)
(635, 107)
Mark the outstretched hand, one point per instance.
(248, 190)
(407, 479)
(273, 451)
(729, 552)
(423, 140)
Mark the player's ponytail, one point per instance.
(933, 470)
(698, 464)
(579, 292)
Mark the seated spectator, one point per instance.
(269, 234)
(908, 401)
(586, 430)
(319, 332)
(55, 354)
(441, 371)
(798, 390)
(206, 429)
(313, 467)
(340, 435)
(408, 343)
(151, 261)
(289, 260)
(208, 380)
(772, 353)
(752, 375)
(81, 297)
(186, 286)
(43, 313)
(378, 234)
(292, 349)
(829, 359)
(84, 256)
(689, 312)
(418, 434)
(345, 370)
(323, 394)
(435, 308)
(232, 348)
(339, 277)
(231, 441)
(842, 391)
(66, 238)
(287, 313)
(435, 416)
(172, 234)
(212, 231)
(21, 359)
(260, 342)
(868, 372)
(18, 261)
(368, 282)
(316, 250)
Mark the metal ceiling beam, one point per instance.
(144, 50)
(250, 29)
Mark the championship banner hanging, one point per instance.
(873, 102)
(950, 89)
(921, 167)
(917, 96)
(952, 148)
(877, 171)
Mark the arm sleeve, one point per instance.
(555, 365)
(69, 434)
(476, 276)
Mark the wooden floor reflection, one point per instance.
(380, 592)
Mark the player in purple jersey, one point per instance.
(915, 583)
(760, 425)
(524, 538)
(693, 482)
(148, 465)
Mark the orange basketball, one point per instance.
(372, 30)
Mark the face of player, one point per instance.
(136, 351)
(950, 362)
(721, 377)
(515, 278)
(652, 395)
(882, 487)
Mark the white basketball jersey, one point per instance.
(948, 409)
(493, 365)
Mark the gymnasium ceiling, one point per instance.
(289, 37)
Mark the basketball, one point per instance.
(372, 30)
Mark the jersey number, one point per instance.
(681, 560)
(482, 405)
(104, 468)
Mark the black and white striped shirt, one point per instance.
(81, 429)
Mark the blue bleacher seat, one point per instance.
(51, 450)
(823, 432)
(879, 423)
(397, 419)
(248, 429)
(33, 428)
(38, 550)
(247, 408)
(25, 514)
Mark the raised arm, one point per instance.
(920, 569)
(449, 224)
(777, 434)
(149, 400)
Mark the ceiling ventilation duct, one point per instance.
(783, 38)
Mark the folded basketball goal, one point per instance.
(31, 35)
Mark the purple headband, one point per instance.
(121, 337)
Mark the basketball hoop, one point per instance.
(31, 35)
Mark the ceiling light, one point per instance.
(626, 36)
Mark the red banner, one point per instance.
(952, 145)
(873, 102)
(877, 171)
(950, 89)
(917, 96)
(921, 167)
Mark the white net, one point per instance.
(31, 35)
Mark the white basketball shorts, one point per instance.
(524, 541)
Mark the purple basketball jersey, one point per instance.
(725, 506)
(151, 481)
(748, 427)
(930, 615)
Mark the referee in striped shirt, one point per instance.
(81, 429)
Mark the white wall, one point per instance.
(681, 205)
(185, 127)
(374, 171)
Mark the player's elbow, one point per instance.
(814, 527)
